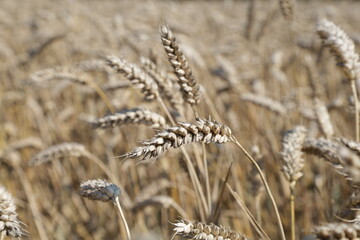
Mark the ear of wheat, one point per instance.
(344, 159)
(265, 102)
(130, 116)
(323, 118)
(202, 231)
(323, 148)
(291, 154)
(341, 46)
(353, 146)
(287, 8)
(192, 93)
(166, 87)
(61, 73)
(202, 130)
(99, 190)
(337, 231)
(9, 222)
(68, 149)
(135, 75)
(102, 190)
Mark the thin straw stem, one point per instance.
(267, 188)
(356, 100)
(103, 96)
(2, 236)
(292, 209)
(207, 181)
(32, 202)
(113, 178)
(117, 203)
(193, 176)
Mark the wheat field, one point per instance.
(179, 119)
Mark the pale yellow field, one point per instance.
(230, 55)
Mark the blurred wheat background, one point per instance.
(262, 74)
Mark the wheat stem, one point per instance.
(103, 96)
(356, 100)
(193, 176)
(292, 209)
(207, 181)
(117, 203)
(268, 191)
(29, 192)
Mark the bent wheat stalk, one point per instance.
(71, 149)
(130, 116)
(267, 188)
(101, 190)
(202, 130)
(343, 48)
(293, 164)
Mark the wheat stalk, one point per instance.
(130, 116)
(166, 87)
(202, 130)
(344, 158)
(75, 75)
(71, 149)
(163, 201)
(101, 190)
(343, 48)
(323, 148)
(135, 75)
(293, 164)
(265, 102)
(323, 118)
(201, 231)
(61, 73)
(9, 223)
(64, 150)
(191, 91)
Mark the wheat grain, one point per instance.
(9, 222)
(202, 231)
(130, 116)
(202, 130)
(191, 91)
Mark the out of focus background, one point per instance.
(236, 49)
